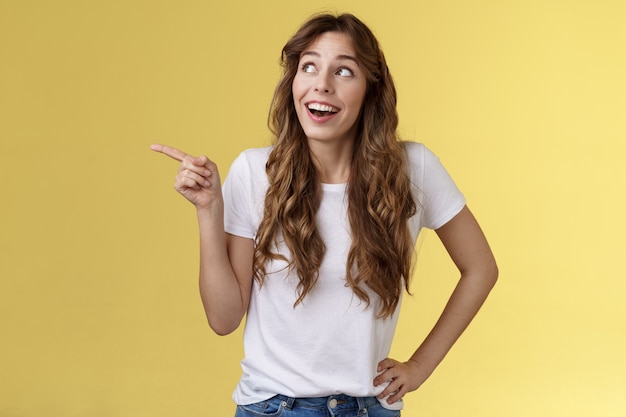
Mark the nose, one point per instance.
(324, 84)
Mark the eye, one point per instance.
(345, 72)
(308, 67)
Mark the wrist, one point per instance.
(210, 213)
(421, 367)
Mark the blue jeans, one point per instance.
(333, 406)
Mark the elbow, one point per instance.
(491, 275)
(221, 332)
(483, 277)
(222, 327)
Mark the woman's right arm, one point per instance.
(225, 274)
(225, 260)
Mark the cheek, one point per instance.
(297, 94)
(357, 93)
(356, 99)
(297, 87)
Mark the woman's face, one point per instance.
(329, 88)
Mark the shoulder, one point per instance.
(415, 155)
(413, 148)
(418, 152)
(251, 160)
(247, 171)
(420, 158)
(255, 155)
(246, 183)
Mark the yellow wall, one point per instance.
(524, 101)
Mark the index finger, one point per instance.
(169, 151)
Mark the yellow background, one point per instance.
(524, 102)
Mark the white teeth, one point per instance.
(322, 107)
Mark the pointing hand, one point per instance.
(198, 178)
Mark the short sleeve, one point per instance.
(244, 192)
(439, 197)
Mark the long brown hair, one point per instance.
(379, 189)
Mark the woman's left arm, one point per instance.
(469, 250)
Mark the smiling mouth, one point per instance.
(321, 110)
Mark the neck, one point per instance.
(332, 160)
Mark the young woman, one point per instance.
(313, 238)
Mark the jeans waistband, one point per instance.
(334, 402)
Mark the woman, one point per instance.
(313, 238)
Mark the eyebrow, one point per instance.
(339, 57)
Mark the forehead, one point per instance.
(332, 45)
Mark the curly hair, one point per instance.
(380, 201)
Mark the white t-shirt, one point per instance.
(331, 342)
